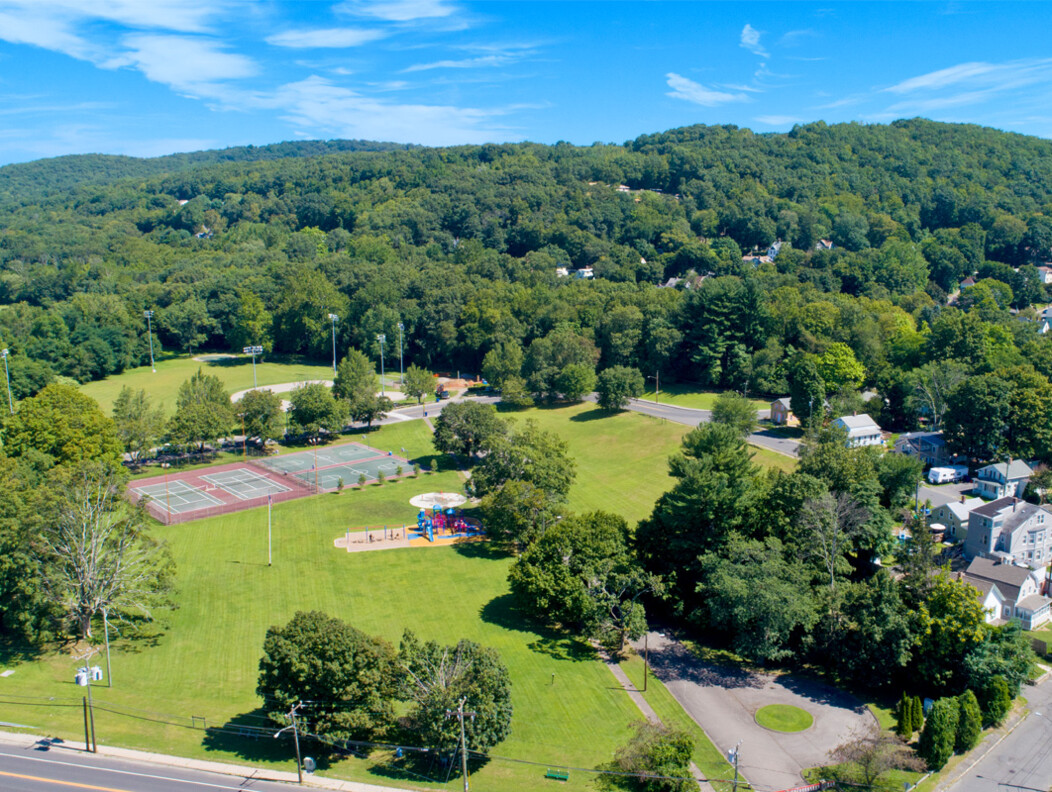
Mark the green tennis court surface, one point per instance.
(244, 483)
(325, 467)
(178, 497)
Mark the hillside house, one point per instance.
(861, 430)
(823, 244)
(1013, 529)
(956, 516)
(1002, 479)
(1045, 271)
(1008, 593)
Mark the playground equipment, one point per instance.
(449, 522)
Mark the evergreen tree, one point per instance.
(904, 722)
(918, 714)
(995, 700)
(939, 734)
(969, 724)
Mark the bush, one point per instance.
(995, 700)
(399, 471)
(339, 484)
(659, 755)
(969, 724)
(361, 480)
(416, 470)
(940, 732)
(381, 479)
(904, 713)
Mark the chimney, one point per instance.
(962, 499)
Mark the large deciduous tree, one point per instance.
(735, 411)
(64, 424)
(616, 385)
(349, 680)
(419, 382)
(262, 414)
(96, 555)
(139, 424)
(203, 412)
(468, 428)
(313, 410)
(529, 454)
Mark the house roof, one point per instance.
(1033, 602)
(962, 510)
(784, 401)
(931, 438)
(995, 507)
(1016, 469)
(1009, 578)
(857, 422)
(984, 586)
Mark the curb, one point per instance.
(951, 783)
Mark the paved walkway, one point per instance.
(648, 712)
(724, 699)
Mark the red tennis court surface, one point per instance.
(190, 495)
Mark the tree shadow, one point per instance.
(597, 414)
(559, 645)
(486, 551)
(674, 662)
(17, 652)
(249, 736)
(820, 692)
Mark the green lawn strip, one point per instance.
(235, 374)
(784, 718)
(206, 663)
(686, 395)
(706, 755)
(767, 458)
(622, 459)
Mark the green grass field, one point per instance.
(235, 373)
(767, 458)
(687, 395)
(205, 664)
(784, 718)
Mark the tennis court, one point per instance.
(189, 495)
(326, 466)
(245, 484)
(177, 497)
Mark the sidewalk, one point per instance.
(648, 712)
(244, 772)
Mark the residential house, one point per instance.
(861, 430)
(562, 272)
(671, 283)
(1013, 529)
(782, 413)
(969, 281)
(823, 244)
(1002, 479)
(772, 251)
(1045, 271)
(756, 260)
(1009, 593)
(929, 447)
(585, 273)
(955, 516)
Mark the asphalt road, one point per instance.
(1022, 762)
(693, 417)
(45, 768)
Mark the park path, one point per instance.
(644, 707)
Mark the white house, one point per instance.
(1013, 529)
(584, 273)
(1002, 479)
(1008, 593)
(1045, 271)
(861, 430)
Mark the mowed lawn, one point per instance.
(687, 395)
(235, 374)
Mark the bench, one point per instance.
(558, 775)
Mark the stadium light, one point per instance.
(381, 338)
(10, 402)
(401, 372)
(149, 335)
(334, 319)
(253, 350)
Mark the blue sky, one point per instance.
(150, 77)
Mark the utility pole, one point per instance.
(270, 543)
(334, 319)
(295, 736)
(732, 755)
(7, 372)
(459, 715)
(149, 335)
(381, 338)
(401, 373)
(106, 627)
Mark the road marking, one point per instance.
(240, 788)
(60, 783)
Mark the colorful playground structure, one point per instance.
(446, 523)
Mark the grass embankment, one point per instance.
(784, 718)
(205, 664)
(235, 373)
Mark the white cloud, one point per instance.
(185, 16)
(749, 88)
(325, 38)
(750, 40)
(188, 64)
(466, 63)
(40, 30)
(995, 76)
(690, 91)
(322, 107)
(400, 10)
(796, 37)
(778, 120)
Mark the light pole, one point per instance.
(401, 374)
(253, 350)
(149, 335)
(334, 319)
(381, 338)
(7, 372)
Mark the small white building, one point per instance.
(585, 273)
(1003, 479)
(861, 430)
(1008, 593)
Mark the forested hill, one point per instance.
(463, 245)
(33, 181)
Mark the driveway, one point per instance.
(723, 700)
(944, 493)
